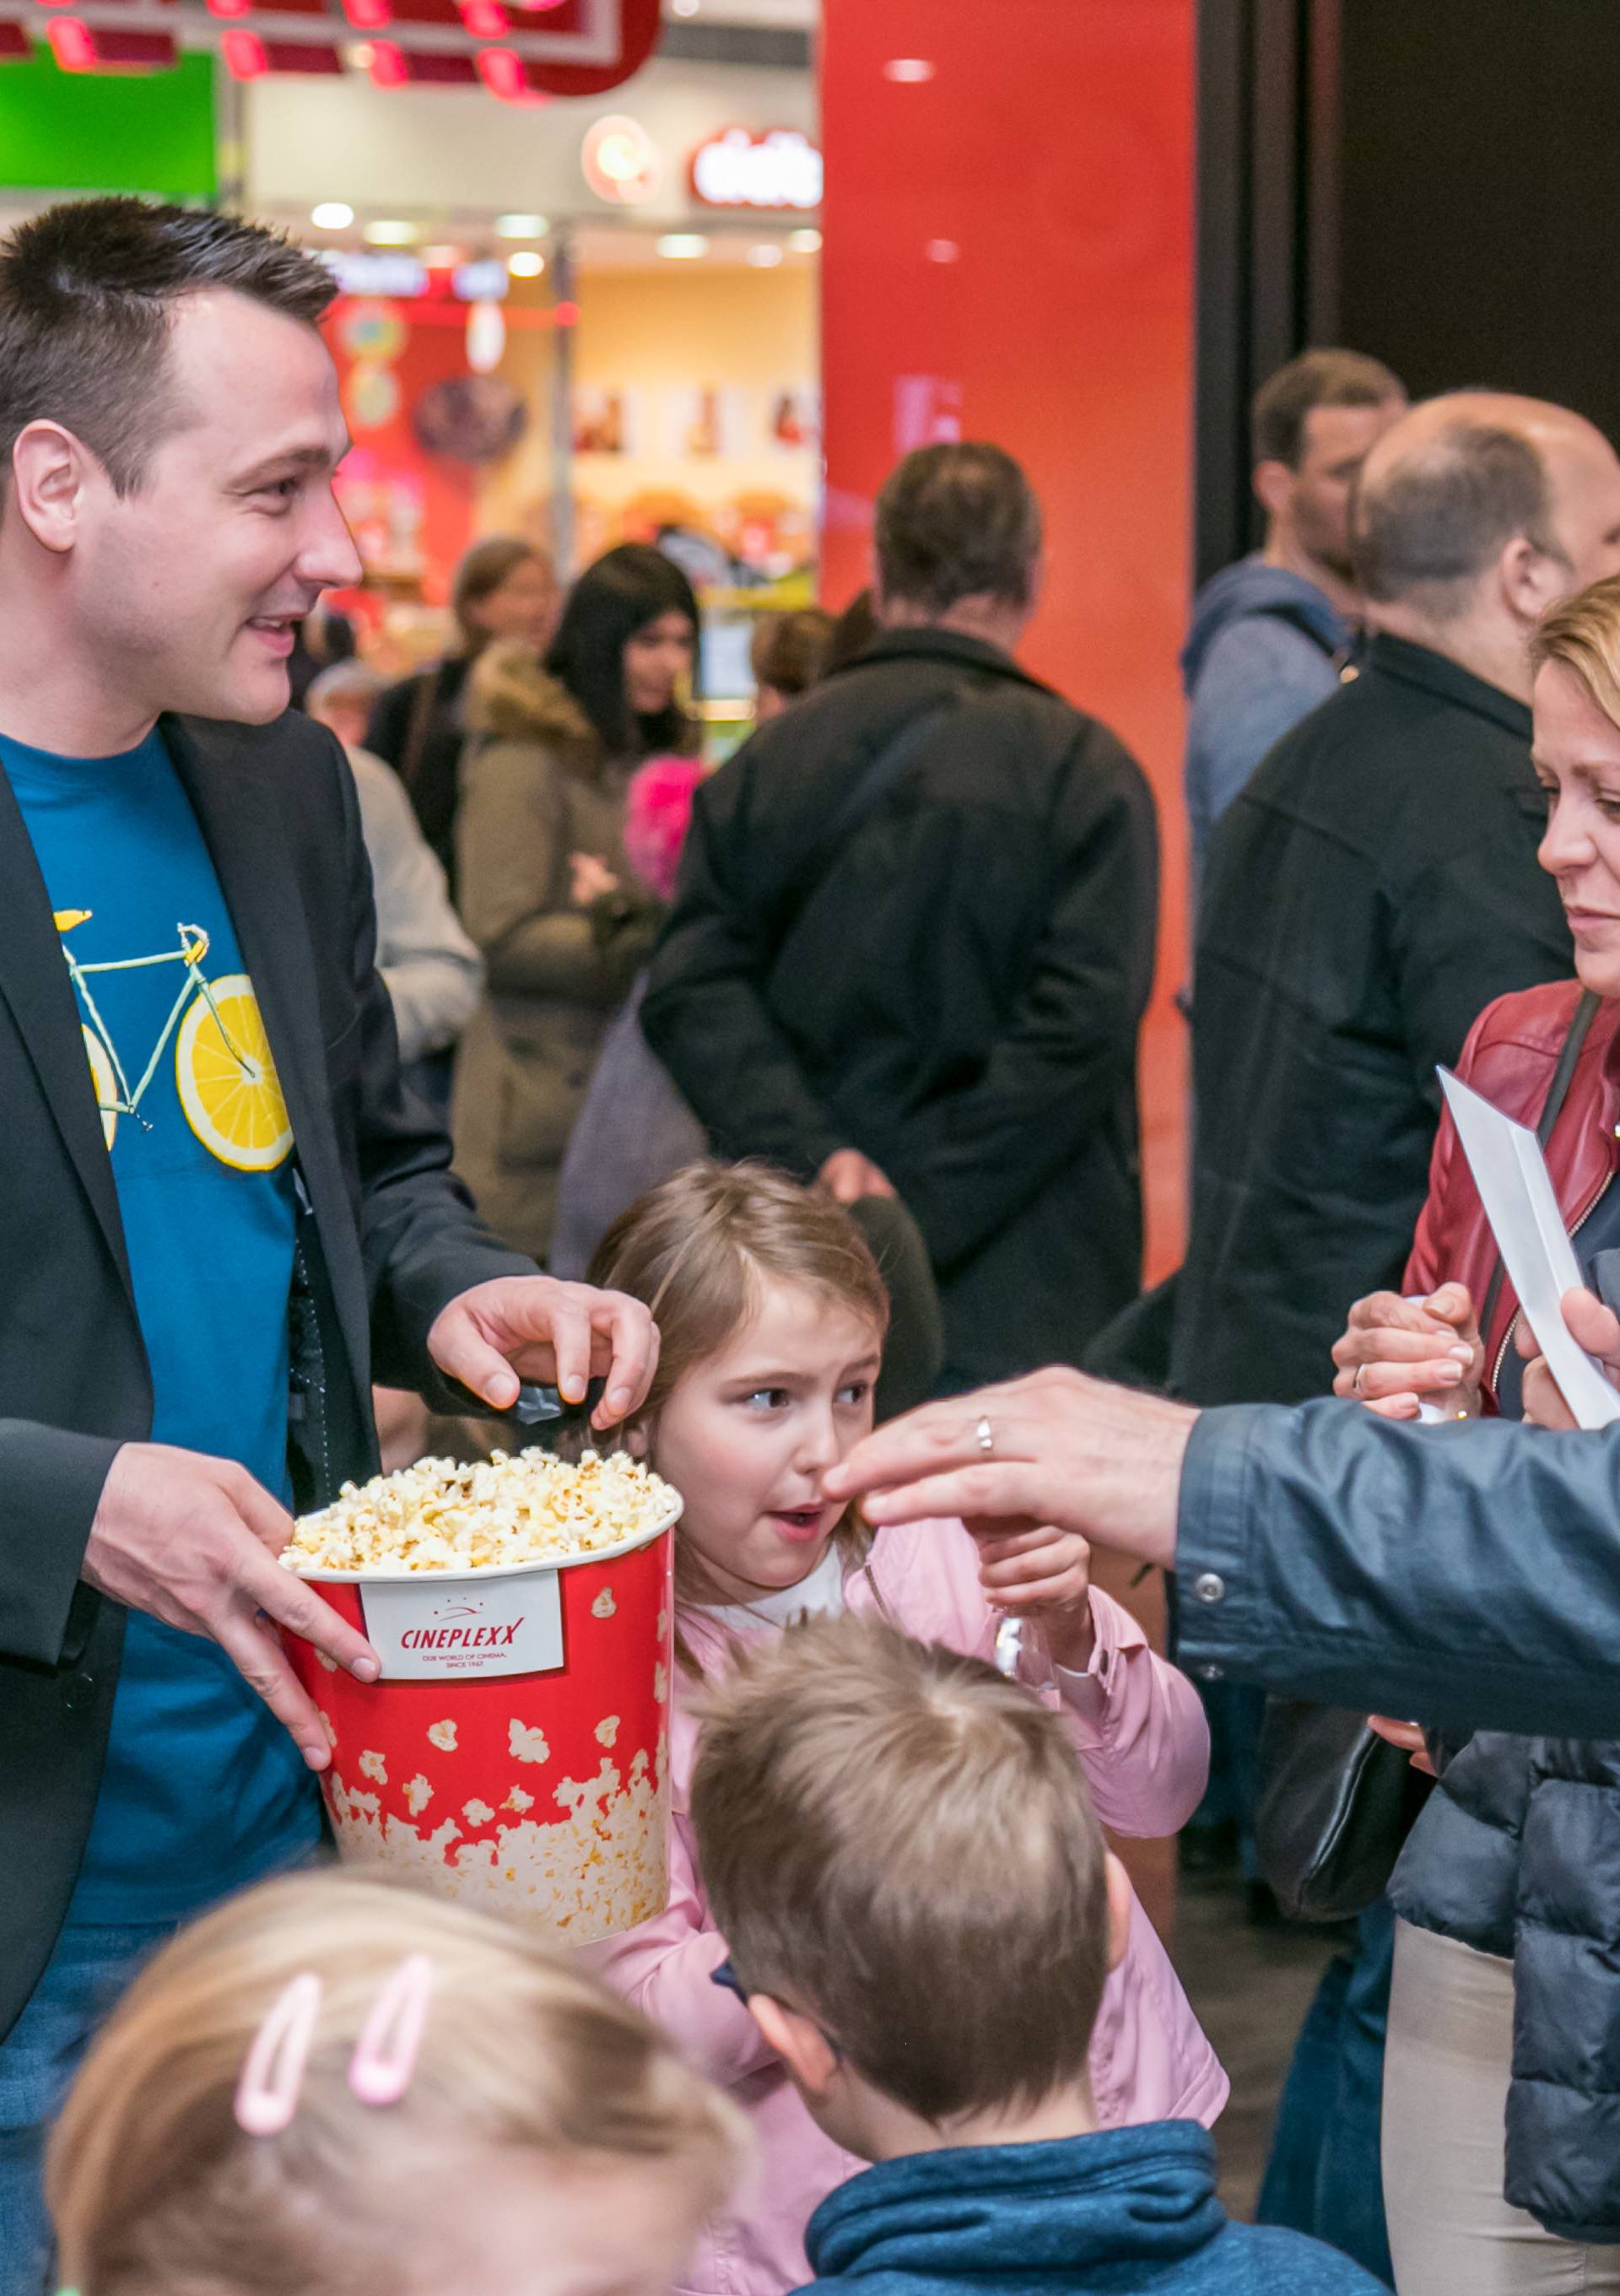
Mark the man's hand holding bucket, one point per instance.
(193, 1541)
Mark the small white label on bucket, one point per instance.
(422, 1632)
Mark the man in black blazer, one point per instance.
(220, 1217)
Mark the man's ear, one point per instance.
(1121, 1899)
(803, 2047)
(1273, 485)
(1530, 580)
(637, 1438)
(49, 468)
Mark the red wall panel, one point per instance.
(1009, 256)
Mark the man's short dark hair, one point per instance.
(88, 291)
(958, 521)
(1324, 378)
(1441, 514)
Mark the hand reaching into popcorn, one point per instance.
(193, 1541)
(534, 1327)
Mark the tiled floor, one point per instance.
(1250, 1989)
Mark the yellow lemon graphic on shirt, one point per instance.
(227, 1078)
(106, 1086)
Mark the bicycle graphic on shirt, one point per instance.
(225, 1072)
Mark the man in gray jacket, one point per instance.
(1270, 635)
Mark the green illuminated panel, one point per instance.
(108, 131)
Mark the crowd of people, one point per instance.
(797, 1100)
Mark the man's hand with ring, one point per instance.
(533, 1327)
(193, 1541)
(1070, 1454)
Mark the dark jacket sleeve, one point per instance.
(390, 722)
(971, 1159)
(53, 1483)
(422, 1240)
(1474, 925)
(1468, 1577)
(705, 1014)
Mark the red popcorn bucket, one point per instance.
(515, 1753)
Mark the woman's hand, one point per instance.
(1041, 1572)
(589, 878)
(1597, 1327)
(1397, 1353)
(1409, 1737)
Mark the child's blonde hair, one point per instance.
(155, 2190)
(699, 1252)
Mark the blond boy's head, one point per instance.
(900, 1852)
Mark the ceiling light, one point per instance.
(522, 226)
(683, 246)
(331, 215)
(386, 234)
(805, 242)
(766, 255)
(911, 71)
(525, 265)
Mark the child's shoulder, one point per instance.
(1266, 2260)
(926, 1574)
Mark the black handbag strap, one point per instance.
(881, 773)
(1551, 1108)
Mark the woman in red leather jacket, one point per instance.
(1505, 2011)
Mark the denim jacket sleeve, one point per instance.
(1467, 1576)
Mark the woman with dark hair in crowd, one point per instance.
(563, 922)
(504, 588)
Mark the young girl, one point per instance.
(771, 1313)
(338, 2088)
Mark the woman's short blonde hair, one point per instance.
(155, 2190)
(1584, 634)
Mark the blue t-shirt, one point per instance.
(203, 1790)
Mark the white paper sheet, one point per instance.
(1511, 1174)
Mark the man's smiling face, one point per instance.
(190, 584)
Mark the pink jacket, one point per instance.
(1144, 1745)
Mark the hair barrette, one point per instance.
(267, 2094)
(385, 2056)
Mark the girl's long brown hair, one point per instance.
(699, 1251)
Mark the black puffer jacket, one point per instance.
(1517, 1853)
(958, 991)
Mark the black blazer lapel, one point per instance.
(237, 807)
(35, 984)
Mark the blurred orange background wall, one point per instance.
(1009, 256)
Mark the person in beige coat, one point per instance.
(561, 921)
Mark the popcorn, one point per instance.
(418, 1794)
(596, 1873)
(604, 1606)
(441, 1516)
(527, 1743)
(608, 1731)
(516, 1800)
(442, 1735)
(372, 1766)
(477, 1812)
